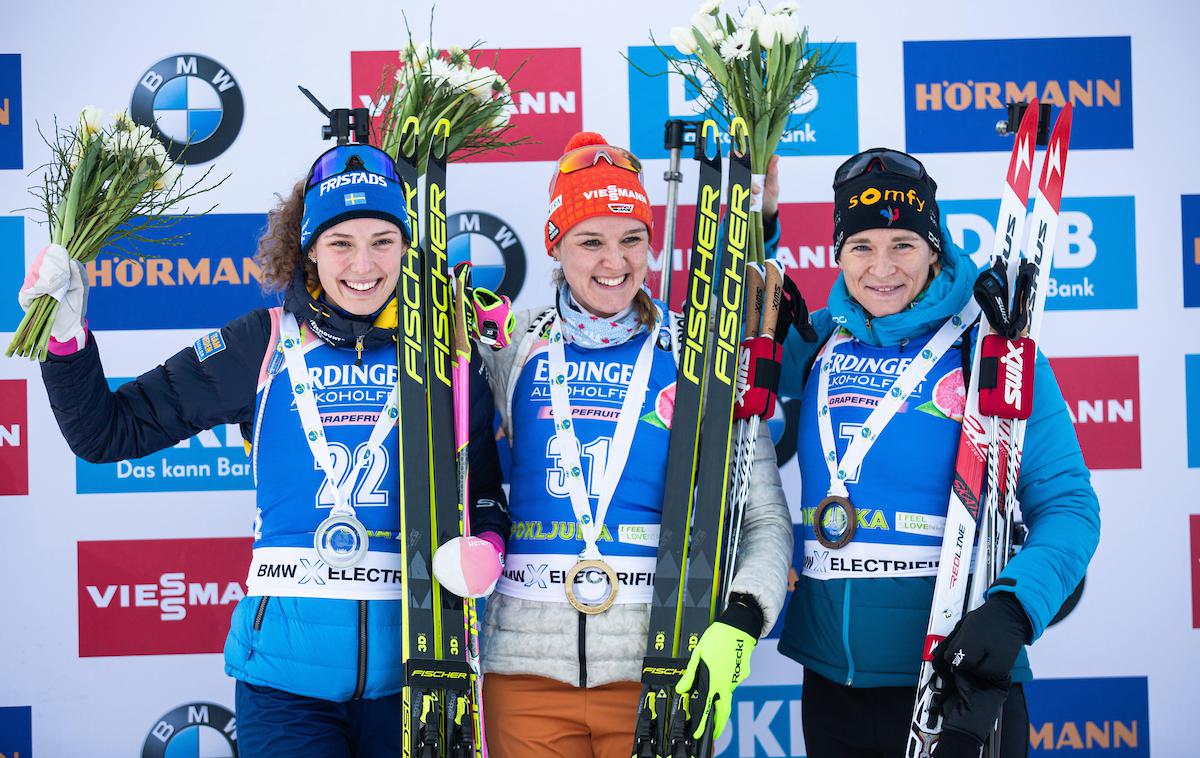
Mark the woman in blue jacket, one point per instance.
(858, 617)
(316, 644)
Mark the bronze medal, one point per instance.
(834, 521)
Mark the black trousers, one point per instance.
(872, 722)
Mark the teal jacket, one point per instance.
(869, 632)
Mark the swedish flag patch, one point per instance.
(209, 345)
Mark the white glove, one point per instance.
(54, 273)
(469, 566)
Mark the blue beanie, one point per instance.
(353, 193)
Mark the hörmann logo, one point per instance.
(1089, 717)
(825, 121)
(1189, 212)
(158, 597)
(547, 105)
(955, 91)
(1102, 397)
(16, 731)
(197, 283)
(10, 111)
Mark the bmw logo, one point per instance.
(192, 103)
(494, 250)
(195, 730)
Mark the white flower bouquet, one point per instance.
(432, 83)
(104, 186)
(756, 66)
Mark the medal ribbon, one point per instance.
(568, 445)
(310, 418)
(893, 398)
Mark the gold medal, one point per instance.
(834, 521)
(591, 586)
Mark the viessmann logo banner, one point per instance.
(1103, 399)
(1089, 718)
(825, 121)
(1095, 253)
(159, 597)
(214, 459)
(14, 443)
(955, 91)
(547, 99)
(205, 281)
(805, 250)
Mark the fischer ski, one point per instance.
(688, 582)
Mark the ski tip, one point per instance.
(1055, 166)
(1020, 165)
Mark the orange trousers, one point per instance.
(535, 717)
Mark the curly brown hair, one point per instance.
(279, 246)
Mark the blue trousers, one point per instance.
(277, 724)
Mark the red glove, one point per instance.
(758, 378)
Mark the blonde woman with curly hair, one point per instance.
(315, 646)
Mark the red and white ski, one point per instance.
(963, 513)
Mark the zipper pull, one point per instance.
(358, 348)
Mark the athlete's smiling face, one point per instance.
(358, 263)
(885, 269)
(604, 260)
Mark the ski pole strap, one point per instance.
(310, 419)
(895, 396)
(622, 439)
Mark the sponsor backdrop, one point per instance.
(121, 577)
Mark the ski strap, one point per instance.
(310, 419)
(622, 441)
(894, 398)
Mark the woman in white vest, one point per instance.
(562, 671)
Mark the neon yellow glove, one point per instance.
(721, 661)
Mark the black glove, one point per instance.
(793, 312)
(975, 663)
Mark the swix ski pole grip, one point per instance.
(1006, 377)
(754, 301)
(761, 354)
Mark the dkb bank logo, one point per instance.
(205, 280)
(1089, 717)
(1192, 372)
(493, 249)
(825, 122)
(12, 269)
(955, 91)
(213, 460)
(1095, 260)
(765, 721)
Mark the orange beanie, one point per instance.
(600, 190)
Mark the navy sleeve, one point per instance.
(183, 396)
(489, 506)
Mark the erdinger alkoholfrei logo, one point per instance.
(193, 103)
(494, 250)
(194, 730)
